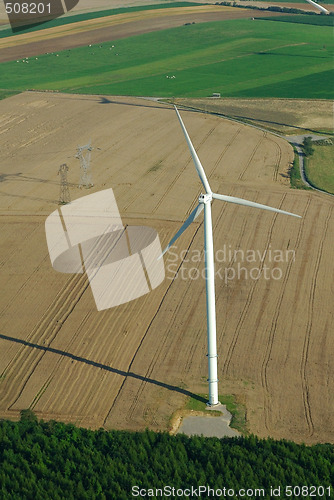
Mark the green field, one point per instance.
(327, 2)
(302, 19)
(74, 18)
(238, 58)
(320, 168)
(6, 93)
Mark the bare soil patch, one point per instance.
(133, 366)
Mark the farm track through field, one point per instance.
(278, 158)
(101, 330)
(45, 333)
(251, 292)
(310, 315)
(177, 177)
(141, 342)
(241, 175)
(95, 352)
(273, 327)
(159, 175)
(55, 369)
(231, 141)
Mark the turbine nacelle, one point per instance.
(205, 198)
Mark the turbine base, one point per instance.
(212, 405)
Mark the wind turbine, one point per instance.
(204, 202)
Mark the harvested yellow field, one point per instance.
(132, 366)
(285, 116)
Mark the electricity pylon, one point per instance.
(64, 195)
(84, 154)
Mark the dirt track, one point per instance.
(131, 366)
(285, 116)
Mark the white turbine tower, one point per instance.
(205, 201)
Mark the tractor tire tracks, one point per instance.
(273, 328)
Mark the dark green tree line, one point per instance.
(41, 460)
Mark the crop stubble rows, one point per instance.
(131, 366)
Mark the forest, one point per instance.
(41, 460)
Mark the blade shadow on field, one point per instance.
(105, 100)
(264, 53)
(101, 366)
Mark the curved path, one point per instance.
(301, 157)
(294, 140)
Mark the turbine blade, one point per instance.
(318, 6)
(198, 165)
(195, 213)
(241, 201)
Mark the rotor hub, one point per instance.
(205, 198)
